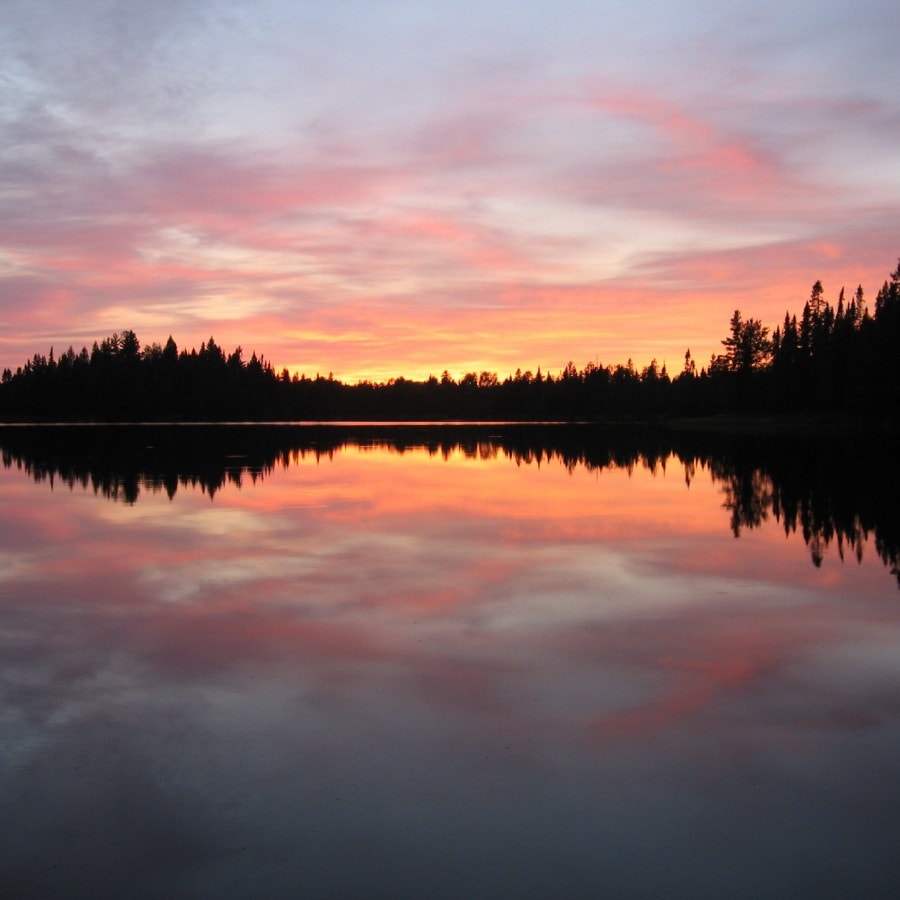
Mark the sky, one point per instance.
(396, 188)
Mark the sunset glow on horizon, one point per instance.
(397, 189)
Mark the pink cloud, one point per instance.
(687, 162)
(351, 264)
(218, 185)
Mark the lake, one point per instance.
(470, 661)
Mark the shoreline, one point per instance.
(826, 425)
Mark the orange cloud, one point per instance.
(477, 240)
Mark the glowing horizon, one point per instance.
(390, 190)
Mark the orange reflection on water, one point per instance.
(371, 641)
(545, 495)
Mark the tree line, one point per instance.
(833, 358)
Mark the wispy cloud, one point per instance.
(403, 192)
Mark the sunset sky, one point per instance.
(391, 187)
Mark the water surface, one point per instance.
(463, 662)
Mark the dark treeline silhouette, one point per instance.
(836, 494)
(833, 359)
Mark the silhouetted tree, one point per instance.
(831, 359)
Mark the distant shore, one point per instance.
(824, 424)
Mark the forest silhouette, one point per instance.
(832, 359)
(836, 494)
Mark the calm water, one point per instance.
(463, 663)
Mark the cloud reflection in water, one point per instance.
(395, 674)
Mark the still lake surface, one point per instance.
(458, 662)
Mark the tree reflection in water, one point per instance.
(835, 492)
